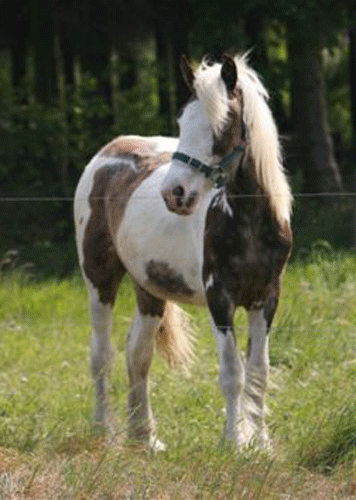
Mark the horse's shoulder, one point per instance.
(124, 163)
(119, 170)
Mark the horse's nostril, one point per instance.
(178, 192)
(192, 199)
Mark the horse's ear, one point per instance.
(229, 72)
(187, 72)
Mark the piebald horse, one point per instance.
(201, 219)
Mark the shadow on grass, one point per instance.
(325, 453)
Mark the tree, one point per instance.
(312, 138)
(352, 37)
(42, 45)
(311, 25)
(171, 43)
(15, 31)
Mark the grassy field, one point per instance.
(49, 449)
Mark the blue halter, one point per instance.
(217, 173)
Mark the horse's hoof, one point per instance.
(100, 416)
(103, 423)
(264, 444)
(156, 445)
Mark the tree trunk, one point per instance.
(312, 140)
(353, 75)
(255, 32)
(18, 28)
(18, 52)
(128, 71)
(42, 42)
(115, 85)
(163, 56)
(182, 18)
(172, 23)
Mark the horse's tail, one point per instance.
(175, 337)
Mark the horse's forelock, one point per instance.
(212, 94)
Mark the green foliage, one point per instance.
(315, 219)
(336, 70)
(43, 149)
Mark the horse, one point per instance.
(202, 219)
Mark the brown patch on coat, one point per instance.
(101, 263)
(129, 146)
(148, 304)
(246, 252)
(174, 336)
(164, 278)
(112, 188)
(123, 182)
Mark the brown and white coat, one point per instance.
(183, 240)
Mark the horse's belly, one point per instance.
(163, 252)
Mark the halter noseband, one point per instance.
(215, 173)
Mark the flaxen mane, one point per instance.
(263, 135)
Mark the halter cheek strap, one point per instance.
(215, 173)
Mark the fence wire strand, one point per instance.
(12, 199)
(122, 323)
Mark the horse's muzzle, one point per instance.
(178, 201)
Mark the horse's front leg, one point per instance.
(257, 369)
(232, 376)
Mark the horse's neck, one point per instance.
(245, 194)
(244, 180)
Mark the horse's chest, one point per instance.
(163, 252)
(243, 255)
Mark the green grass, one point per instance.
(49, 448)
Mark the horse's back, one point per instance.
(137, 145)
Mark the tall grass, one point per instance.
(49, 448)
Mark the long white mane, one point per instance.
(262, 130)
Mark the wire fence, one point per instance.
(198, 325)
(339, 195)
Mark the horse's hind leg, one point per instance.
(139, 353)
(101, 353)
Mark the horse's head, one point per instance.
(212, 135)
